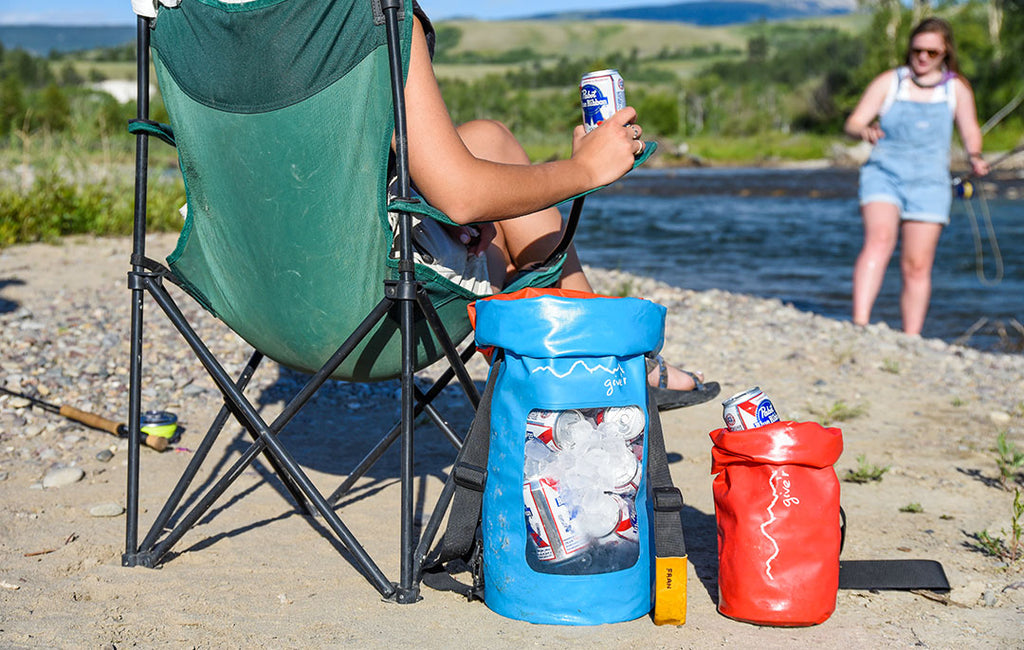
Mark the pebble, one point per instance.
(63, 476)
(999, 418)
(107, 510)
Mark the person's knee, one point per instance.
(492, 140)
(916, 269)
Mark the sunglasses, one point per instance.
(932, 54)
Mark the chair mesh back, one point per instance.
(282, 113)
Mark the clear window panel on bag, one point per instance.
(581, 471)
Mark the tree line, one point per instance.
(791, 78)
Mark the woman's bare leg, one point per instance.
(917, 254)
(881, 229)
(528, 239)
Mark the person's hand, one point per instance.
(872, 133)
(978, 165)
(610, 150)
(476, 237)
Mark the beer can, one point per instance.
(602, 93)
(748, 409)
(626, 422)
(607, 517)
(557, 429)
(550, 522)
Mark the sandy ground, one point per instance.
(254, 573)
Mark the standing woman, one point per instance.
(904, 186)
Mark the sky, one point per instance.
(119, 12)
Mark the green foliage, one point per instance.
(912, 508)
(1008, 548)
(865, 472)
(1009, 459)
(839, 412)
(891, 366)
(55, 206)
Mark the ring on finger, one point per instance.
(640, 149)
(636, 131)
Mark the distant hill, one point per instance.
(41, 39)
(716, 13)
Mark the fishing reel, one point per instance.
(963, 187)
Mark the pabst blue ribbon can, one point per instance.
(550, 522)
(602, 93)
(748, 409)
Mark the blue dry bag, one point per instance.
(566, 525)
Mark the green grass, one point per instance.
(766, 147)
(54, 206)
(865, 472)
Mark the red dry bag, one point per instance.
(777, 508)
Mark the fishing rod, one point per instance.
(964, 188)
(91, 420)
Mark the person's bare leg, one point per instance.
(881, 229)
(530, 238)
(917, 255)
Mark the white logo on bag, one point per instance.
(787, 500)
(610, 384)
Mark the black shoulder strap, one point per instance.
(667, 499)
(469, 475)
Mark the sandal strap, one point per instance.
(697, 385)
(662, 371)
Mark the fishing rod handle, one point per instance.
(103, 424)
(89, 419)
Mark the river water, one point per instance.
(794, 235)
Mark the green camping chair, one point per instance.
(282, 112)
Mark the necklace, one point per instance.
(917, 81)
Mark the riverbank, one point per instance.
(256, 575)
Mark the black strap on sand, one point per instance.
(892, 575)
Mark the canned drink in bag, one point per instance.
(550, 522)
(748, 409)
(557, 429)
(626, 422)
(607, 518)
(602, 93)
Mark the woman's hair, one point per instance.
(936, 26)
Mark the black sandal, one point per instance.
(668, 399)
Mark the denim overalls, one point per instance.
(909, 167)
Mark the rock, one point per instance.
(999, 418)
(104, 455)
(63, 476)
(107, 510)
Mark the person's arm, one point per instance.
(966, 118)
(469, 189)
(861, 123)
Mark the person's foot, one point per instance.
(674, 388)
(676, 379)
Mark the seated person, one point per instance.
(478, 174)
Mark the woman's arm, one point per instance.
(966, 118)
(860, 124)
(469, 189)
